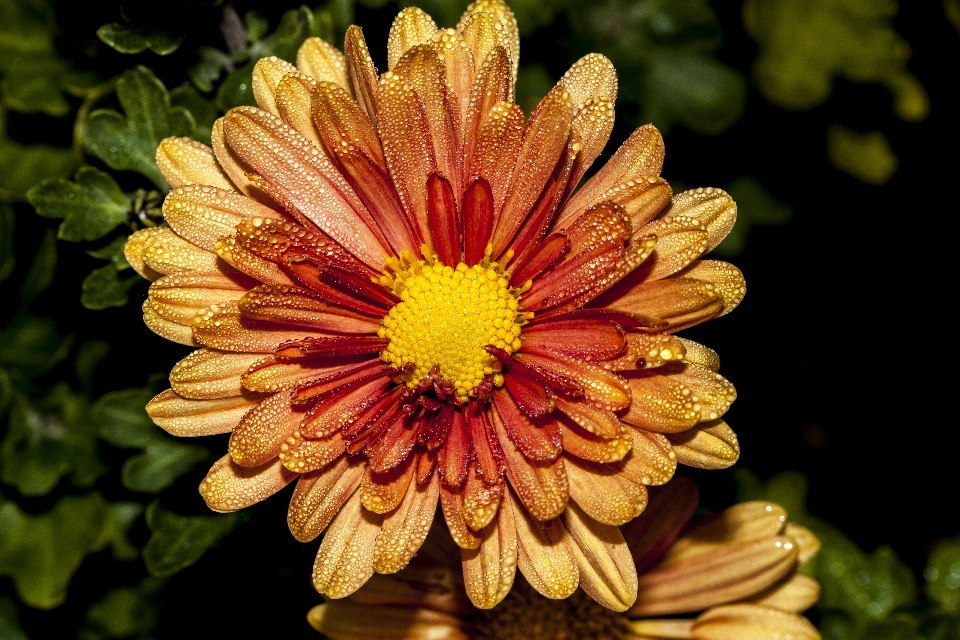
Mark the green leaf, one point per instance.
(942, 575)
(104, 288)
(256, 25)
(866, 156)
(129, 142)
(40, 276)
(129, 40)
(901, 628)
(7, 257)
(33, 345)
(10, 628)
(123, 420)
(123, 515)
(91, 207)
(203, 110)
(176, 541)
(692, 89)
(124, 612)
(160, 464)
(213, 62)
(48, 441)
(41, 553)
(755, 208)
(113, 251)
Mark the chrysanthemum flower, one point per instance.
(730, 576)
(400, 299)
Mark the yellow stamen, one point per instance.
(446, 316)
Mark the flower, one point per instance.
(737, 570)
(400, 300)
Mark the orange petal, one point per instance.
(340, 119)
(736, 621)
(180, 416)
(209, 374)
(383, 492)
(166, 252)
(233, 166)
(743, 522)
(410, 28)
(491, 85)
(648, 351)
(267, 74)
(262, 430)
(179, 296)
(203, 214)
(712, 207)
(652, 460)
(806, 541)
(497, 147)
(680, 241)
(538, 441)
(303, 455)
(342, 409)
(605, 495)
(319, 495)
(361, 71)
(587, 446)
(592, 124)
(451, 501)
(641, 156)
(133, 252)
(682, 302)
(643, 199)
(726, 278)
(238, 256)
(711, 445)
(489, 569)
(661, 403)
(294, 306)
(545, 555)
(700, 355)
(457, 59)
(600, 387)
(323, 62)
(405, 529)
(510, 35)
(294, 98)
(221, 326)
(713, 392)
(670, 508)
(173, 331)
(607, 572)
(184, 161)
(481, 501)
(349, 620)
(796, 593)
(345, 559)
(230, 487)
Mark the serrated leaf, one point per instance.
(41, 553)
(160, 464)
(104, 288)
(32, 345)
(123, 515)
(129, 141)
(113, 251)
(91, 207)
(10, 628)
(122, 418)
(755, 207)
(942, 575)
(865, 156)
(208, 69)
(7, 257)
(127, 39)
(176, 541)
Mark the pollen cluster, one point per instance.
(445, 318)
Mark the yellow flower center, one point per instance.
(445, 318)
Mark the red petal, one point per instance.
(477, 220)
(332, 383)
(591, 340)
(598, 386)
(306, 272)
(394, 445)
(455, 453)
(486, 446)
(537, 441)
(528, 392)
(342, 408)
(540, 258)
(444, 221)
(359, 286)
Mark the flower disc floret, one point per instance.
(445, 318)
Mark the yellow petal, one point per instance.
(184, 161)
(179, 296)
(411, 27)
(710, 445)
(405, 529)
(133, 252)
(545, 555)
(713, 207)
(345, 559)
(796, 593)
(700, 355)
(510, 34)
(166, 252)
(607, 572)
(348, 620)
(203, 214)
(323, 62)
(739, 621)
(680, 241)
(744, 522)
(267, 74)
(209, 374)
(362, 72)
(185, 417)
(807, 542)
(651, 460)
(726, 278)
(261, 432)
(319, 495)
(489, 570)
(233, 166)
(229, 487)
(294, 105)
(173, 331)
(604, 494)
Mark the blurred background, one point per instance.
(833, 124)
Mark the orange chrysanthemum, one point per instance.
(735, 571)
(400, 300)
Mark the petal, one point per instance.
(640, 156)
(405, 529)
(682, 302)
(743, 522)
(481, 501)
(712, 207)
(602, 423)
(730, 573)
(680, 241)
(233, 252)
(203, 214)
(541, 486)
(726, 278)
(592, 76)
(133, 252)
(444, 219)
(209, 374)
(319, 495)
(600, 387)
(457, 59)
(451, 501)
(294, 105)
(805, 540)
(592, 125)
(338, 411)
(733, 622)
(233, 166)
(383, 492)
(661, 403)
(349, 620)
(393, 446)
(591, 340)
(294, 306)
(651, 461)
(455, 452)
(179, 296)
(166, 252)
(184, 161)
(545, 555)
(587, 446)
(603, 494)
(322, 61)
(712, 391)
(341, 122)
(538, 441)
(497, 147)
(491, 86)
(230, 487)
(184, 417)
(538, 260)
(361, 71)
(221, 326)
(478, 207)
(711, 445)
(648, 351)
(607, 572)
(267, 74)
(345, 559)
(700, 355)
(643, 199)
(173, 331)
(303, 455)
(796, 593)
(410, 28)
(262, 431)
(489, 569)
(670, 508)
(510, 34)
